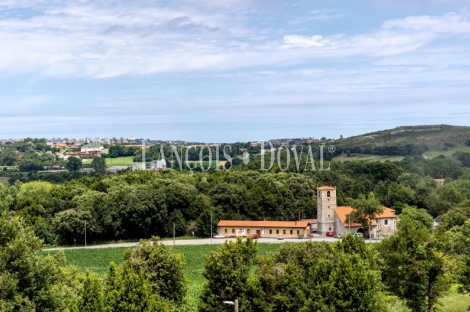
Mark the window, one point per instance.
(248, 231)
(226, 231)
(329, 229)
(328, 216)
(277, 231)
(284, 232)
(291, 232)
(298, 232)
(385, 222)
(233, 231)
(328, 194)
(328, 206)
(270, 231)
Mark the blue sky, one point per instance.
(232, 70)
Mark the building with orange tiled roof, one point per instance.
(289, 229)
(332, 218)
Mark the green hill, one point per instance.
(433, 136)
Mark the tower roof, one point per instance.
(326, 188)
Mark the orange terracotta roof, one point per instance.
(311, 221)
(322, 188)
(265, 224)
(343, 211)
(440, 180)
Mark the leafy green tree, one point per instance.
(130, 291)
(454, 217)
(420, 217)
(227, 272)
(74, 164)
(30, 281)
(414, 268)
(176, 218)
(70, 225)
(162, 267)
(91, 297)
(366, 210)
(99, 164)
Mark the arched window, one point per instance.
(328, 194)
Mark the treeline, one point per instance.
(141, 204)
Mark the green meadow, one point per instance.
(119, 161)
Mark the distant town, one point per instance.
(131, 140)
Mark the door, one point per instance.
(258, 232)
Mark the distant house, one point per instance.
(289, 229)
(440, 181)
(55, 166)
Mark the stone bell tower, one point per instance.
(326, 205)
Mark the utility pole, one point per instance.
(85, 233)
(174, 233)
(236, 305)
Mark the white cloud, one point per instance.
(295, 41)
(450, 23)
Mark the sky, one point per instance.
(231, 70)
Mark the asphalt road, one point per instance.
(206, 241)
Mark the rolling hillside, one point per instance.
(434, 136)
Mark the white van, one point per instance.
(280, 237)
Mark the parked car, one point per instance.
(337, 235)
(280, 237)
(330, 234)
(219, 236)
(255, 236)
(359, 235)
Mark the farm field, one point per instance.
(119, 161)
(353, 157)
(97, 260)
(4, 180)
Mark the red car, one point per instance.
(255, 236)
(330, 234)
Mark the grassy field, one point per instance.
(448, 152)
(353, 157)
(97, 260)
(4, 180)
(120, 161)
